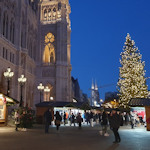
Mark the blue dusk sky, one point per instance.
(99, 28)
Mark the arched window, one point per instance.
(45, 14)
(54, 13)
(49, 14)
(0, 20)
(13, 33)
(52, 57)
(49, 51)
(4, 23)
(11, 26)
(7, 27)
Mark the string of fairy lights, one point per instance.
(132, 81)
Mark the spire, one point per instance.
(92, 87)
(96, 88)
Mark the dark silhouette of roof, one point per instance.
(139, 102)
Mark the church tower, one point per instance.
(94, 101)
(53, 59)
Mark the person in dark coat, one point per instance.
(79, 120)
(73, 119)
(114, 121)
(65, 118)
(104, 123)
(58, 120)
(48, 119)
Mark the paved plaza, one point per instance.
(71, 138)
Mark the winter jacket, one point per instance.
(115, 121)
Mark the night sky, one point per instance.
(99, 28)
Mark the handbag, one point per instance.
(57, 122)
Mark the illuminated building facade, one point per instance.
(35, 42)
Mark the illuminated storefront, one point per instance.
(4, 102)
(62, 107)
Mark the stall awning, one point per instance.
(139, 102)
(81, 105)
(9, 100)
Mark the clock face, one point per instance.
(49, 38)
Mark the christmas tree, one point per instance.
(132, 81)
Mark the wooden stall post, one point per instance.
(147, 108)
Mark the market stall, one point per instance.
(142, 102)
(4, 102)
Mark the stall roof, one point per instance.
(9, 99)
(140, 102)
(60, 104)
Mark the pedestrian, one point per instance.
(24, 120)
(132, 120)
(114, 121)
(104, 124)
(87, 117)
(100, 117)
(97, 118)
(17, 119)
(122, 119)
(126, 116)
(58, 120)
(73, 119)
(65, 119)
(91, 119)
(79, 120)
(48, 119)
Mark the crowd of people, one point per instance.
(105, 119)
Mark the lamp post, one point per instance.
(21, 81)
(8, 75)
(40, 87)
(47, 90)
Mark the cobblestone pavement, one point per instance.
(71, 138)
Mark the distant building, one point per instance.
(111, 96)
(94, 100)
(75, 89)
(77, 93)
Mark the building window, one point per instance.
(13, 58)
(45, 14)
(10, 57)
(3, 52)
(4, 23)
(13, 33)
(49, 51)
(7, 27)
(0, 20)
(6, 54)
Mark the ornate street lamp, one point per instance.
(8, 75)
(47, 90)
(51, 98)
(40, 87)
(22, 81)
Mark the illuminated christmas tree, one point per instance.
(132, 81)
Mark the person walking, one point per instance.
(65, 119)
(48, 119)
(132, 120)
(104, 124)
(17, 119)
(58, 120)
(73, 119)
(91, 118)
(114, 121)
(79, 120)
